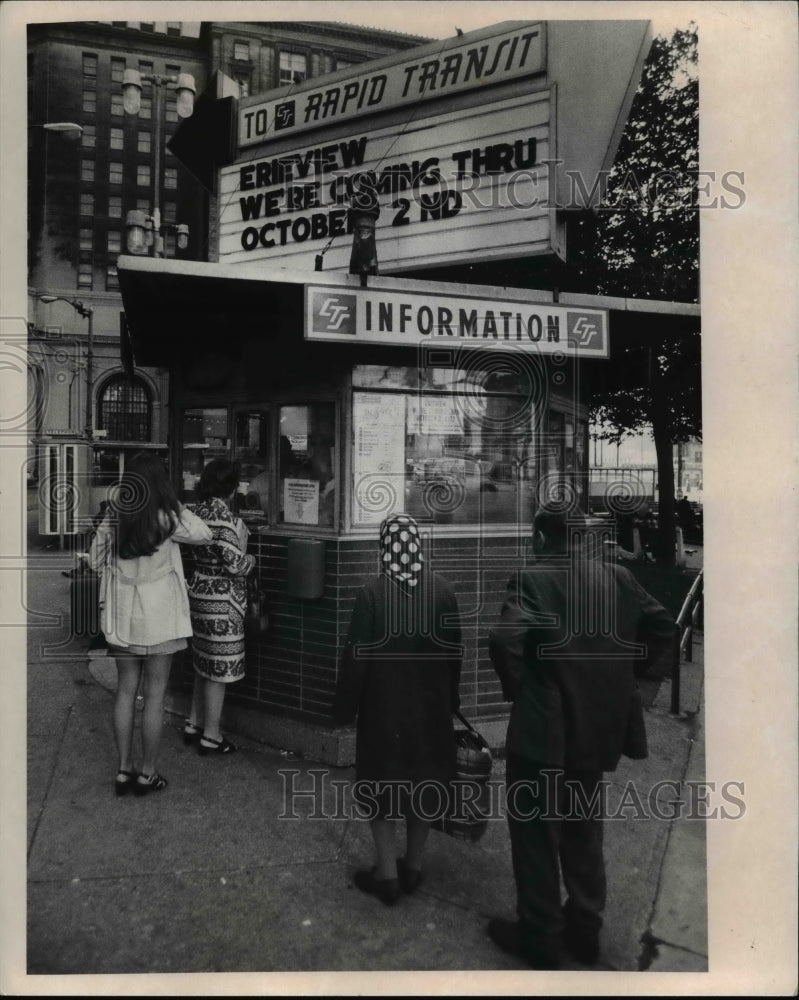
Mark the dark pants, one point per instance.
(562, 835)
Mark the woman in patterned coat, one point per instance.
(217, 598)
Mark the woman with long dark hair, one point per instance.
(218, 598)
(400, 673)
(144, 605)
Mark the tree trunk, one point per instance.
(665, 550)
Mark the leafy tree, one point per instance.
(644, 243)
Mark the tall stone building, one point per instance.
(82, 184)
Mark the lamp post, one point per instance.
(87, 313)
(147, 230)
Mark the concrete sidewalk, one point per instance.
(211, 876)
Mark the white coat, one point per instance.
(143, 601)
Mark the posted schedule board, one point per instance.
(451, 187)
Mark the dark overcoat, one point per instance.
(570, 635)
(400, 672)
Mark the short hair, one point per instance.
(554, 523)
(218, 479)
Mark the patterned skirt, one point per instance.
(217, 606)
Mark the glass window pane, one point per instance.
(124, 408)
(89, 65)
(86, 239)
(87, 170)
(307, 465)
(143, 142)
(170, 211)
(89, 102)
(142, 174)
(241, 51)
(446, 457)
(117, 70)
(117, 107)
(89, 136)
(170, 177)
(87, 204)
(252, 452)
(293, 68)
(205, 437)
(115, 173)
(114, 241)
(117, 140)
(146, 108)
(114, 207)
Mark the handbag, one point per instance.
(467, 817)
(256, 617)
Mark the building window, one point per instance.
(170, 245)
(172, 70)
(171, 108)
(170, 177)
(124, 409)
(293, 68)
(111, 278)
(173, 27)
(143, 175)
(146, 108)
(117, 106)
(143, 205)
(307, 465)
(87, 170)
(117, 140)
(85, 273)
(144, 142)
(87, 204)
(170, 211)
(147, 25)
(86, 239)
(117, 70)
(114, 207)
(90, 102)
(89, 136)
(241, 51)
(89, 68)
(145, 67)
(243, 80)
(114, 241)
(114, 173)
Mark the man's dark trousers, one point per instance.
(562, 834)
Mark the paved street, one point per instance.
(208, 877)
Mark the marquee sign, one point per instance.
(381, 316)
(505, 52)
(452, 187)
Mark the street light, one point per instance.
(147, 230)
(87, 313)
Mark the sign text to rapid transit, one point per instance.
(454, 66)
(378, 316)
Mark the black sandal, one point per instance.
(124, 782)
(191, 733)
(217, 746)
(149, 783)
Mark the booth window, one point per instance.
(252, 453)
(205, 436)
(307, 464)
(124, 409)
(451, 446)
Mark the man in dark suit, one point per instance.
(571, 631)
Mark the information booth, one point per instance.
(346, 397)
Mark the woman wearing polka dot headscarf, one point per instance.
(400, 672)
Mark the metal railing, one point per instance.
(689, 619)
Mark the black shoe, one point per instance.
(191, 734)
(387, 890)
(581, 934)
(146, 783)
(207, 745)
(581, 944)
(124, 782)
(505, 934)
(410, 878)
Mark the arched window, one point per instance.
(125, 409)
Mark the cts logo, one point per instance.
(284, 115)
(586, 331)
(333, 313)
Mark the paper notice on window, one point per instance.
(300, 501)
(378, 459)
(434, 415)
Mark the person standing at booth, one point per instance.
(400, 672)
(571, 630)
(217, 597)
(144, 608)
